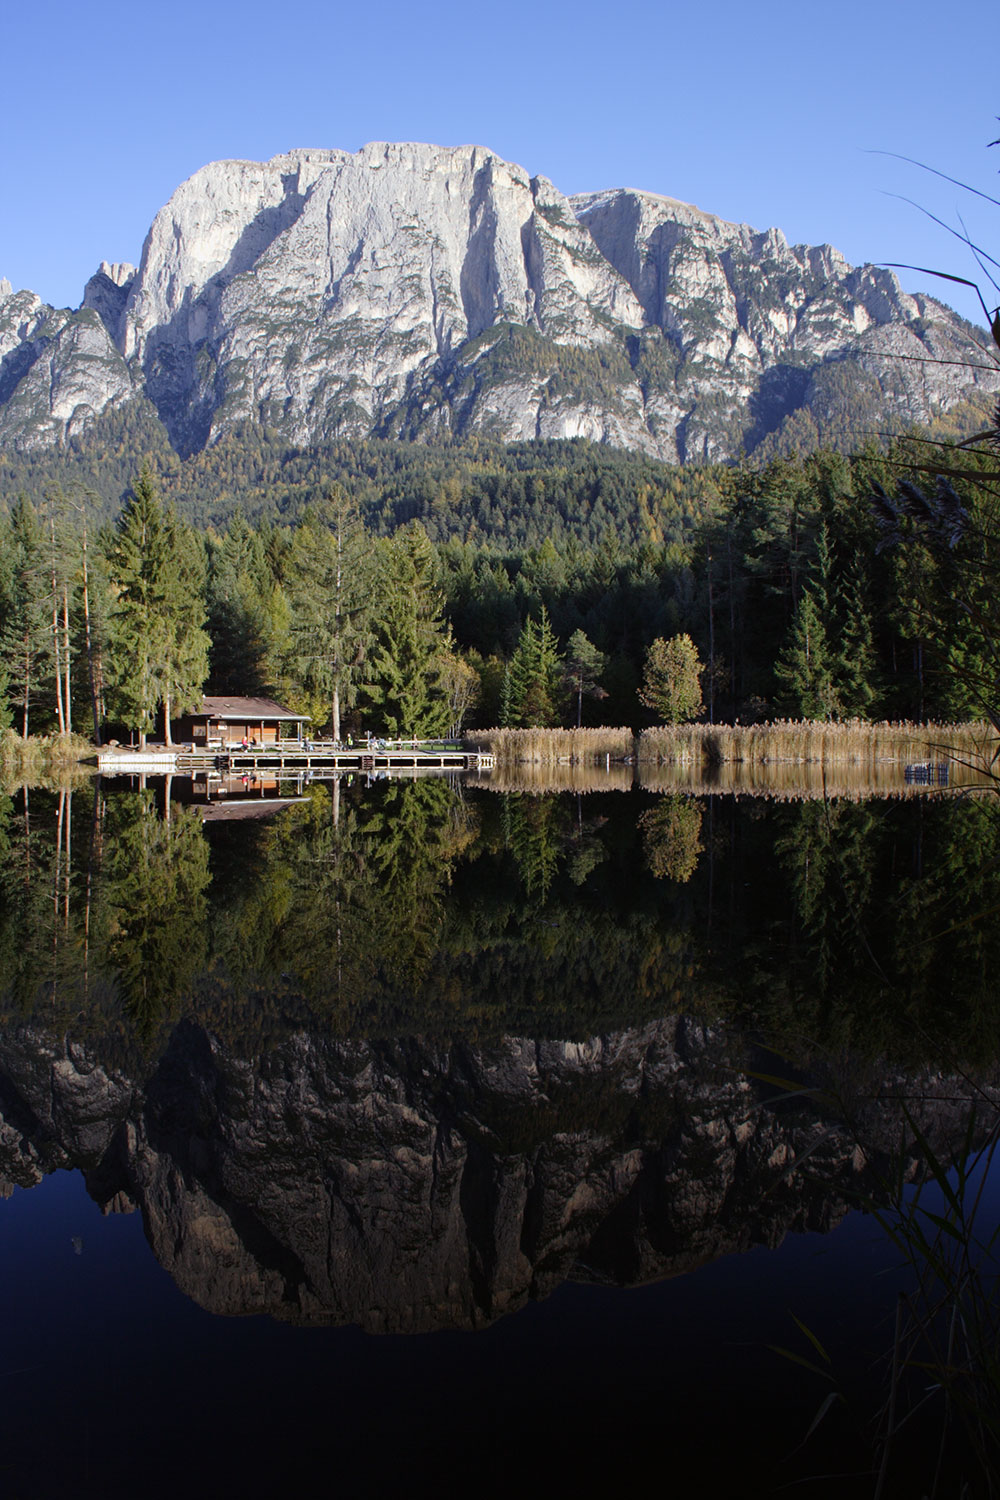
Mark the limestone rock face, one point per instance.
(58, 370)
(413, 290)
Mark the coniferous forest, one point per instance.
(417, 590)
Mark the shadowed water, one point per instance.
(412, 1057)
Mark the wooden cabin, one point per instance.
(225, 722)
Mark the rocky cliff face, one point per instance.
(407, 1186)
(412, 291)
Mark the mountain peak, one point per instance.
(413, 290)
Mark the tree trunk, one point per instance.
(56, 644)
(89, 644)
(27, 692)
(57, 660)
(711, 642)
(66, 660)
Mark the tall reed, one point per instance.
(852, 742)
(552, 746)
(41, 758)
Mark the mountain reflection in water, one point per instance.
(410, 1056)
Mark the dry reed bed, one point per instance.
(551, 746)
(42, 759)
(854, 742)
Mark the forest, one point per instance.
(414, 591)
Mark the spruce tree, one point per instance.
(806, 667)
(25, 634)
(857, 687)
(330, 576)
(533, 684)
(160, 652)
(809, 668)
(411, 641)
(240, 584)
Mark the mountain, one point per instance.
(418, 292)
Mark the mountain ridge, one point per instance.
(422, 292)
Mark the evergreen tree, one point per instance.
(584, 665)
(26, 636)
(856, 671)
(61, 567)
(410, 642)
(671, 685)
(807, 665)
(330, 572)
(240, 584)
(160, 656)
(185, 665)
(533, 692)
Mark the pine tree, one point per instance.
(584, 665)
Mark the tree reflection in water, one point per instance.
(410, 1055)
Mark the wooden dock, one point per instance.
(293, 757)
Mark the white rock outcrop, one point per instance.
(414, 290)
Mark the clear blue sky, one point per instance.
(764, 112)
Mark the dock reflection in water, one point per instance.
(415, 1056)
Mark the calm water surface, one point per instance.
(418, 1134)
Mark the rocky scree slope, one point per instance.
(412, 291)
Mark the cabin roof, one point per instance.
(241, 709)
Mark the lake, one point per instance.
(459, 1133)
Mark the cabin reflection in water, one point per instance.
(248, 795)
